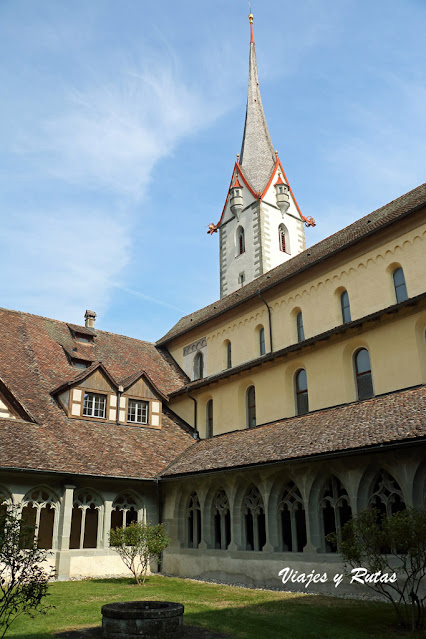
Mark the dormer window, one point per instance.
(79, 363)
(137, 411)
(84, 339)
(94, 405)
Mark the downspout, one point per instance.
(269, 315)
(196, 434)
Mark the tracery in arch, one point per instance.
(292, 519)
(193, 519)
(386, 494)
(254, 519)
(85, 525)
(124, 511)
(221, 520)
(39, 507)
(335, 510)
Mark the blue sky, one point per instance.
(121, 121)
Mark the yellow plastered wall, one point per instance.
(396, 362)
(365, 271)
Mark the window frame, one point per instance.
(300, 328)
(251, 407)
(209, 419)
(262, 343)
(362, 375)
(301, 393)
(105, 397)
(401, 293)
(228, 355)
(241, 241)
(198, 369)
(345, 307)
(138, 401)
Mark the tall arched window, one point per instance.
(301, 388)
(399, 285)
(262, 348)
(251, 407)
(198, 366)
(85, 520)
(228, 355)
(209, 418)
(39, 511)
(364, 379)
(335, 510)
(293, 520)
(221, 520)
(254, 519)
(241, 246)
(300, 329)
(346, 309)
(283, 239)
(124, 511)
(193, 518)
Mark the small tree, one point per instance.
(23, 581)
(394, 544)
(138, 545)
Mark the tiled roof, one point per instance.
(394, 417)
(353, 233)
(257, 152)
(33, 362)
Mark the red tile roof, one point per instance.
(394, 417)
(33, 362)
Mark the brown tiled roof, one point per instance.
(33, 362)
(388, 418)
(341, 240)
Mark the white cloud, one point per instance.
(70, 261)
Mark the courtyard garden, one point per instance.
(239, 613)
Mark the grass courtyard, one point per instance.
(239, 612)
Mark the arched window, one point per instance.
(301, 388)
(262, 349)
(124, 511)
(193, 519)
(300, 329)
(386, 495)
(364, 379)
(399, 285)
(39, 511)
(335, 510)
(293, 520)
(85, 521)
(254, 520)
(283, 239)
(209, 418)
(241, 246)
(198, 366)
(221, 520)
(228, 355)
(251, 407)
(346, 309)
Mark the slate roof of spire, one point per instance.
(257, 152)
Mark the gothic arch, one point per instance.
(337, 498)
(40, 508)
(87, 519)
(391, 481)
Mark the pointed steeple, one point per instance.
(257, 157)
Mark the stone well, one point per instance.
(136, 619)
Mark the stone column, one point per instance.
(64, 532)
(107, 522)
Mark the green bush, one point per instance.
(394, 544)
(138, 545)
(23, 580)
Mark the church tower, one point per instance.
(261, 225)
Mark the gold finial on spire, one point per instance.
(238, 156)
(251, 27)
(276, 154)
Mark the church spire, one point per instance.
(257, 157)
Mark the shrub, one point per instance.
(23, 581)
(390, 544)
(138, 545)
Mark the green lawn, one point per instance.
(240, 612)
